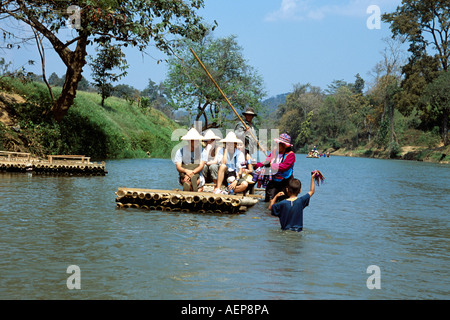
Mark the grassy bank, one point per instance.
(120, 129)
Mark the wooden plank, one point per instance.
(51, 157)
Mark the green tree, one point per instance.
(359, 84)
(152, 91)
(388, 76)
(304, 134)
(296, 114)
(420, 70)
(189, 88)
(426, 24)
(137, 23)
(109, 57)
(437, 97)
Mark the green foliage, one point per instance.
(415, 19)
(304, 135)
(188, 86)
(437, 95)
(109, 57)
(394, 149)
(296, 115)
(137, 23)
(120, 130)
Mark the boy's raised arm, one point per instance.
(272, 202)
(313, 187)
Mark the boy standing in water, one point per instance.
(290, 211)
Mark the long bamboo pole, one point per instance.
(226, 99)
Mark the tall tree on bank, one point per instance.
(437, 96)
(136, 23)
(188, 87)
(426, 25)
(109, 57)
(388, 75)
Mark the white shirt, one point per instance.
(190, 157)
(233, 163)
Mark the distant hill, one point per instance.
(269, 116)
(273, 102)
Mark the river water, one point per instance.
(390, 214)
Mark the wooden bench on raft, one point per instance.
(15, 156)
(80, 158)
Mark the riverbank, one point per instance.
(120, 129)
(438, 154)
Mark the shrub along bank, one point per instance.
(120, 129)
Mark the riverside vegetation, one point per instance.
(124, 128)
(120, 129)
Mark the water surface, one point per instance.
(393, 214)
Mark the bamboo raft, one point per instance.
(183, 201)
(54, 164)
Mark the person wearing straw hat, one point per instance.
(211, 168)
(280, 163)
(190, 161)
(245, 135)
(231, 168)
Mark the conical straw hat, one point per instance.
(192, 134)
(210, 135)
(231, 137)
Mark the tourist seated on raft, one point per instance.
(211, 168)
(190, 161)
(231, 168)
(280, 163)
(247, 171)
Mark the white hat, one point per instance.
(210, 135)
(248, 177)
(231, 137)
(192, 135)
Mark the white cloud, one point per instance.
(298, 10)
(289, 10)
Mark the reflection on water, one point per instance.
(393, 214)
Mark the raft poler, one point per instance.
(190, 161)
(246, 135)
(278, 167)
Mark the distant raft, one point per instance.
(54, 164)
(183, 201)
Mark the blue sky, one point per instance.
(286, 41)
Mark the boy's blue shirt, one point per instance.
(290, 212)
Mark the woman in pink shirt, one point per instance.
(280, 164)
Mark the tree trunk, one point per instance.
(75, 64)
(445, 127)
